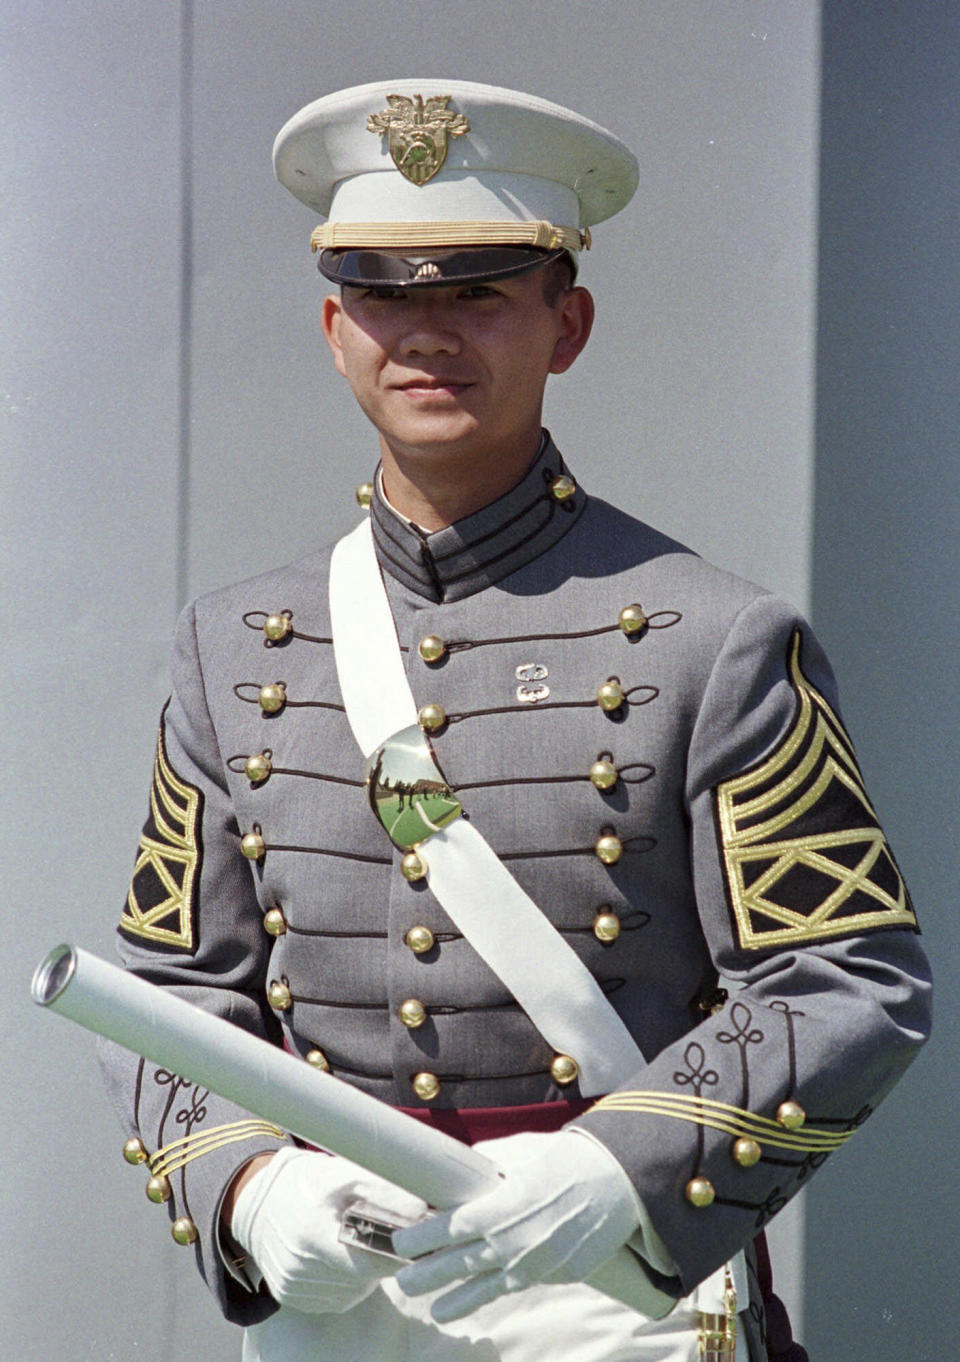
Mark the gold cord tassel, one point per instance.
(717, 1334)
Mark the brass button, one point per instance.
(184, 1231)
(632, 619)
(159, 1190)
(431, 648)
(746, 1152)
(279, 995)
(364, 495)
(426, 1086)
(609, 696)
(791, 1115)
(563, 1069)
(273, 697)
(432, 717)
(609, 848)
(258, 767)
(604, 775)
(135, 1151)
(562, 488)
(413, 1013)
(420, 940)
(699, 1192)
(606, 925)
(274, 923)
(253, 846)
(277, 627)
(413, 867)
(318, 1060)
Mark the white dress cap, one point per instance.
(419, 163)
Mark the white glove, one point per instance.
(288, 1216)
(565, 1206)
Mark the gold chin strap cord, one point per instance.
(407, 235)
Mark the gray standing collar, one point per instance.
(479, 550)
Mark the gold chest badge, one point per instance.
(418, 132)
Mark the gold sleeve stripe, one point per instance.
(728, 1119)
(179, 1153)
(803, 854)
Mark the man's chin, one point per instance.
(435, 439)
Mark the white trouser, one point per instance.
(542, 1324)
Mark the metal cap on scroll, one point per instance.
(407, 790)
(53, 974)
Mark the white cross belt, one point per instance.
(484, 901)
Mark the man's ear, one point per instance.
(576, 320)
(331, 317)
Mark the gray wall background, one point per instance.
(885, 586)
(173, 424)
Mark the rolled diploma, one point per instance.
(276, 1086)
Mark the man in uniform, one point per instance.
(476, 811)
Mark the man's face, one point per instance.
(456, 370)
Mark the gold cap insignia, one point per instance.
(418, 131)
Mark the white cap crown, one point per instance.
(413, 163)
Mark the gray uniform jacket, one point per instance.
(745, 847)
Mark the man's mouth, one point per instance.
(433, 385)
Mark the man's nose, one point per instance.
(429, 332)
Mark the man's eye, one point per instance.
(386, 294)
(478, 291)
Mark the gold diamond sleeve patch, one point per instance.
(803, 855)
(161, 900)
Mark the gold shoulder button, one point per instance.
(279, 995)
(274, 923)
(609, 848)
(426, 1086)
(699, 1192)
(413, 1013)
(413, 867)
(746, 1152)
(253, 846)
(610, 695)
(159, 1190)
(791, 1115)
(563, 1069)
(135, 1151)
(632, 619)
(431, 648)
(604, 775)
(257, 767)
(562, 488)
(432, 717)
(420, 939)
(277, 627)
(273, 697)
(318, 1060)
(184, 1231)
(606, 924)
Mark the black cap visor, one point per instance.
(359, 267)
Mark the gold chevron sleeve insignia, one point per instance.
(804, 857)
(161, 901)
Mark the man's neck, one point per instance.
(434, 493)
